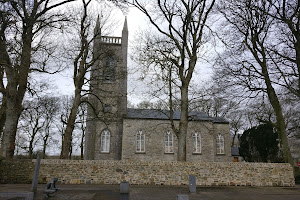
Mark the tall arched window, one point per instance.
(220, 144)
(169, 142)
(196, 143)
(140, 141)
(105, 141)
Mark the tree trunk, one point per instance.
(81, 144)
(17, 79)
(62, 140)
(183, 124)
(30, 147)
(233, 139)
(9, 134)
(44, 148)
(2, 113)
(297, 48)
(45, 140)
(2, 121)
(67, 140)
(280, 124)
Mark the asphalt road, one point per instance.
(111, 192)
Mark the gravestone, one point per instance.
(192, 183)
(124, 187)
(182, 197)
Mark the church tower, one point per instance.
(108, 96)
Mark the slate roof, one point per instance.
(133, 113)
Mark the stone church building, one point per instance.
(115, 132)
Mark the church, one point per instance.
(115, 132)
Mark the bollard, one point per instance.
(182, 197)
(192, 183)
(124, 187)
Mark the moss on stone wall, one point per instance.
(16, 171)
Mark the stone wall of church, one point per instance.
(155, 131)
(109, 85)
(167, 173)
(115, 141)
(224, 130)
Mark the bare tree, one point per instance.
(248, 61)
(183, 30)
(36, 123)
(66, 103)
(50, 106)
(286, 45)
(31, 122)
(22, 32)
(83, 61)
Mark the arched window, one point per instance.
(105, 141)
(196, 143)
(140, 141)
(169, 142)
(110, 68)
(220, 144)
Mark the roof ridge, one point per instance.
(161, 114)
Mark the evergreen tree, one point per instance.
(260, 144)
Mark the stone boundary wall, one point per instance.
(166, 173)
(16, 171)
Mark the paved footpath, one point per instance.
(111, 192)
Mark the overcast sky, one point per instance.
(137, 21)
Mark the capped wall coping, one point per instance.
(175, 163)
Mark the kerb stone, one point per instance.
(182, 197)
